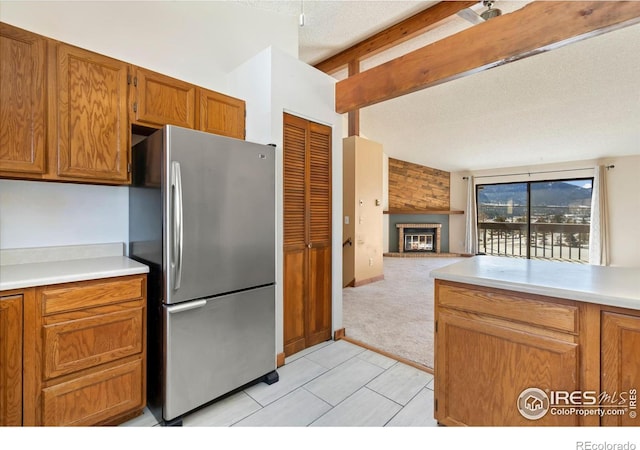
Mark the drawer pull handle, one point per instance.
(186, 306)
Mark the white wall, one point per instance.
(252, 82)
(195, 41)
(457, 201)
(306, 92)
(301, 90)
(37, 214)
(199, 42)
(623, 195)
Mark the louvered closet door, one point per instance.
(307, 234)
(295, 233)
(319, 217)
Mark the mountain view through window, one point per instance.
(541, 219)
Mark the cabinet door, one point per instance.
(90, 116)
(22, 102)
(620, 364)
(220, 114)
(11, 360)
(161, 100)
(483, 366)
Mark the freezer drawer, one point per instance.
(216, 345)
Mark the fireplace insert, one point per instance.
(419, 237)
(419, 240)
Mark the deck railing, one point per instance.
(559, 241)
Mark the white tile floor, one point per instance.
(330, 393)
(331, 384)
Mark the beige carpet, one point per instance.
(396, 314)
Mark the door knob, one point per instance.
(309, 245)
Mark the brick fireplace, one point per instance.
(419, 237)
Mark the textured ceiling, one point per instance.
(579, 102)
(334, 25)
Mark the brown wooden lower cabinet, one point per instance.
(11, 359)
(620, 365)
(80, 350)
(506, 358)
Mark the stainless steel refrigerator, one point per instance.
(202, 216)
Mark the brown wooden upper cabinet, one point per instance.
(66, 112)
(158, 100)
(220, 114)
(22, 102)
(63, 111)
(89, 127)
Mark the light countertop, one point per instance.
(613, 286)
(63, 265)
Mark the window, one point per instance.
(537, 219)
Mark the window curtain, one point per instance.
(471, 229)
(599, 230)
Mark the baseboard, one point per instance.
(424, 255)
(349, 284)
(390, 355)
(367, 281)
(297, 345)
(338, 334)
(280, 359)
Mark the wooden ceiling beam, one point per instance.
(353, 117)
(394, 35)
(538, 27)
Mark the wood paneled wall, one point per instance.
(412, 186)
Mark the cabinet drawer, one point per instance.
(95, 398)
(73, 345)
(536, 310)
(89, 294)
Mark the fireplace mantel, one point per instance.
(434, 226)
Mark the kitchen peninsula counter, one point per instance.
(509, 332)
(613, 286)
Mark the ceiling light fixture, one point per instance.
(490, 13)
(302, 18)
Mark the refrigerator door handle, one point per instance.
(186, 306)
(178, 235)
